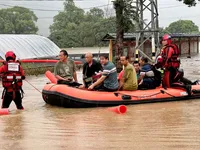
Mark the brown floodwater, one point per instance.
(169, 125)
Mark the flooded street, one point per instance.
(169, 125)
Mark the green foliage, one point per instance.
(189, 2)
(182, 26)
(126, 12)
(75, 28)
(17, 20)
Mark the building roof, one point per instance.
(84, 50)
(185, 35)
(27, 46)
(132, 36)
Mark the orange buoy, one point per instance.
(51, 76)
(4, 111)
(121, 109)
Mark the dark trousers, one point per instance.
(8, 97)
(101, 87)
(72, 84)
(171, 79)
(168, 78)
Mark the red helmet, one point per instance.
(167, 38)
(10, 55)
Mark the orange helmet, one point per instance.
(168, 38)
(10, 55)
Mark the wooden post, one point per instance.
(189, 52)
(179, 39)
(197, 44)
(110, 51)
(136, 55)
(153, 49)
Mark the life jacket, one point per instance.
(174, 61)
(12, 76)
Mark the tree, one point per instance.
(182, 26)
(125, 16)
(80, 28)
(17, 20)
(189, 2)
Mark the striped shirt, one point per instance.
(110, 71)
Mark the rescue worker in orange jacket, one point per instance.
(169, 59)
(12, 75)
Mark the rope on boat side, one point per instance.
(128, 96)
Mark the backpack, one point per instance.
(157, 76)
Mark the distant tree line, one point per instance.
(74, 27)
(17, 20)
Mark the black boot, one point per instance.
(196, 82)
(188, 89)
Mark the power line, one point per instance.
(31, 8)
(37, 9)
(197, 15)
(173, 6)
(45, 0)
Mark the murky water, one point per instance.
(170, 125)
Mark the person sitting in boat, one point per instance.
(137, 68)
(120, 75)
(108, 80)
(12, 75)
(65, 70)
(146, 78)
(128, 82)
(91, 70)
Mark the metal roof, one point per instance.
(27, 46)
(132, 36)
(84, 50)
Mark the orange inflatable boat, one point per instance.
(65, 96)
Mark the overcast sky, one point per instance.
(168, 11)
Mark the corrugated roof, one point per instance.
(84, 50)
(28, 46)
(132, 36)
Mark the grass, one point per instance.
(38, 68)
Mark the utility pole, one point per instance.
(147, 29)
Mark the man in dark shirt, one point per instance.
(90, 69)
